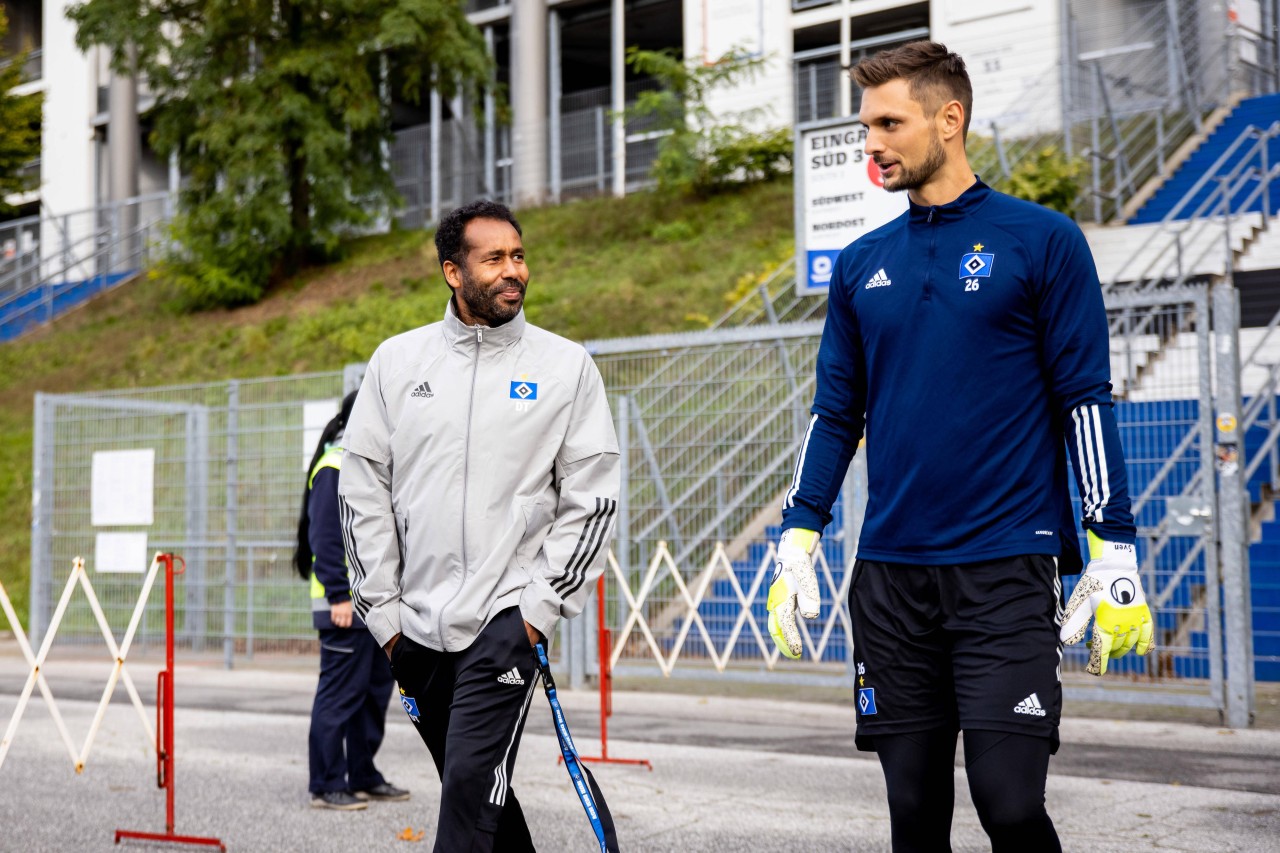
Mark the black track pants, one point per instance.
(469, 708)
(1007, 774)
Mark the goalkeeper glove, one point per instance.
(794, 586)
(1110, 592)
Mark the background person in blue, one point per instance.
(967, 339)
(349, 714)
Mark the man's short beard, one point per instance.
(914, 178)
(483, 304)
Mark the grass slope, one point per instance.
(600, 268)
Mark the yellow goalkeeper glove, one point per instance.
(794, 587)
(1110, 592)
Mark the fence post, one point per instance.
(1000, 155)
(66, 246)
(1232, 517)
(1212, 575)
(813, 91)
(553, 72)
(575, 651)
(420, 190)
(1069, 65)
(41, 517)
(600, 149)
(195, 620)
(229, 581)
(113, 238)
(622, 536)
(490, 141)
(436, 118)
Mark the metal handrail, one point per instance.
(1174, 215)
(69, 256)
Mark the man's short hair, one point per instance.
(450, 241)
(934, 74)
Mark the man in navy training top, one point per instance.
(966, 339)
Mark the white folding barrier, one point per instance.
(118, 672)
(663, 565)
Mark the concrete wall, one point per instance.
(762, 28)
(1012, 49)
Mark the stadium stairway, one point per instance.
(32, 307)
(1259, 112)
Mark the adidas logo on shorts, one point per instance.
(1030, 706)
(513, 677)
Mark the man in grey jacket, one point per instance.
(478, 494)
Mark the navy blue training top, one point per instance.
(969, 339)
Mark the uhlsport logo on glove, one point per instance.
(1123, 591)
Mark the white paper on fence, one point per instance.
(123, 488)
(121, 552)
(315, 416)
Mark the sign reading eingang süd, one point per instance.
(839, 197)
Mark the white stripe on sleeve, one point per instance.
(1102, 464)
(790, 500)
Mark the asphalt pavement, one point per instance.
(730, 773)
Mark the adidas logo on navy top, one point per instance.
(879, 280)
(1030, 706)
(511, 677)
(423, 390)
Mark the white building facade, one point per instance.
(1037, 66)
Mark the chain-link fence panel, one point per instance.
(228, 477)
(709, 424)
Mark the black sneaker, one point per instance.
(384, 793)
(343, 801)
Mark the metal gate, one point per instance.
(230, 462)
(1161, 366)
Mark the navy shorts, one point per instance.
(960, 647)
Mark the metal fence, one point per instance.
(230, 462)
(437, 167)
(708, 424)
(50, 262)
(441, 165)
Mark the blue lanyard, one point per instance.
(570, 751)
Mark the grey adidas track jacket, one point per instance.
(481, 472)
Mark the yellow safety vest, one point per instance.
(331, 458)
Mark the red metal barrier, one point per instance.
(164, 726)
(604, 644)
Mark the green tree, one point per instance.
(1047, 177)
(19, 125)
(275, 109)
(702, 151)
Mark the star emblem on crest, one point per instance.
(977, 247)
